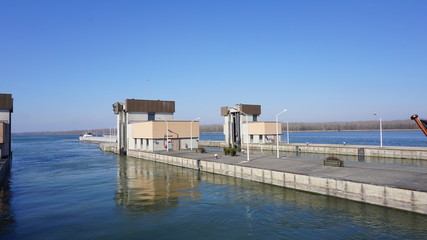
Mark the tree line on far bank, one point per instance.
(293, 127)
(332, 126)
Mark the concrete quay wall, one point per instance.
(403, 199)
(109, 147)
(99, 140)
(220, 144)
(419, 153)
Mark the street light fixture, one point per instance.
(381, 131)
(191, 132)
(277, 130)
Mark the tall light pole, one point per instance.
(167, 136)
(191, 132)
(247, 136)
(287, 132)
(110, 136)
(277, 130)
(381, 131)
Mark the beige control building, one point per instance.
(241, 125)
(148, 125)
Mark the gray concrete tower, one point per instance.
(134, 111)
(6, 109)
(234, 117)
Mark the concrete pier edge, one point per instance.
(402, 199)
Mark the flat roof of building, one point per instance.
(149, 106)
(6, 101)
(246, 108)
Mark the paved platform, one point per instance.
(404, 177)
(413, 153)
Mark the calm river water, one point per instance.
(62, 189)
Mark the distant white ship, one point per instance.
(89, 137)
(86, 136)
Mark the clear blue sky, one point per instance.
(67, 62)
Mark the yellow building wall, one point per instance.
(262, 128)
(157, 129)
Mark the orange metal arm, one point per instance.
(419, 123)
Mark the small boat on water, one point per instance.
(86, 136)
(91, 138)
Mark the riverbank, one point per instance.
(399, 187)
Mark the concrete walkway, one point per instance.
(404, 177)
(413, 153)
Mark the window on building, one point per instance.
(151, 116)
(260, 138)
(136, 143)
(252, 138)
(146, 142)
(255, 118)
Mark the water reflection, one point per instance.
(146, 186)
(6, 215)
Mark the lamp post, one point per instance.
(191, 132)
(247, 136)
(381, 131)
(287, 132)
(111, 134)
(277, 130)
(167, 136)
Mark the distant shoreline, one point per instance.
(357, 126)
(78, 132)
